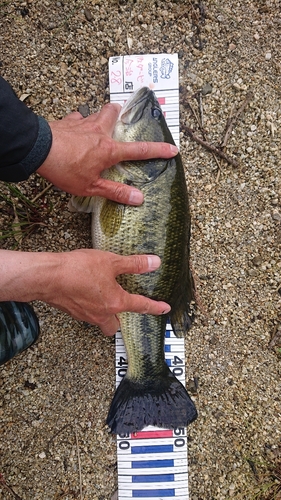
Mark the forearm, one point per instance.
(27, 276)
(25, 137)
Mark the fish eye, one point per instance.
(156, 113)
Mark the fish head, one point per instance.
(142, 119)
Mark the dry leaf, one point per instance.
(24, 96)
(16, 227)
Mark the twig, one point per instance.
(200, 123)
(8, 488)
(219, 169)
(196, 118)
(197, 298)
(209, 147)
(201, 109)
(233, 119)
(41, 194)
(47, 448)
(79, 464)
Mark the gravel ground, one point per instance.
(55, 396)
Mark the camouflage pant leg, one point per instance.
(19, 328)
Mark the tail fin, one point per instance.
(163, 402)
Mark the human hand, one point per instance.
(86, 287)
(83, 147)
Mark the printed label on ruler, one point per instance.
(157, 71)
(129, 73)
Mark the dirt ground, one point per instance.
(55, 396)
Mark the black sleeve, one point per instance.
(25, 138)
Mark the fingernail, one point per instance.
(136, 197)
(153, 262)
(166, 311)
(174, 149)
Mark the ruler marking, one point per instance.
(152, 434)
(155, 448)
(156, 456)
(128, 467)
(153, 493)
(153, 478)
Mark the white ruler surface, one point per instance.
(157, 71)
(152, 463)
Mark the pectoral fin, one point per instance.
(183, 310)
(82, 204)
(181, 321)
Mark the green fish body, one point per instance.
(149, 394)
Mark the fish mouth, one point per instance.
(133, 110)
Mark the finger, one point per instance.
(108, 116)
(109, 325)
(136, 264)
(144, 305)
(116, 191)
(143, 150)
(75, 116)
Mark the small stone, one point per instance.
(88, 14)
(252, 272)
(206, 89)
(231, 490)
(42, 454)
(236, 86)
(200, 217)
(276, 216)
(231, 46)
(63, 68)
(257, 261)
(268, 56)
(192, 386)
(84, 110)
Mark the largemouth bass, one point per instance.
(149, 394)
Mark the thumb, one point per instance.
(109, 324)
(75, 116)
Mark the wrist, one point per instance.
(27, 276)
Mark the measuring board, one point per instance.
(152, 463)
